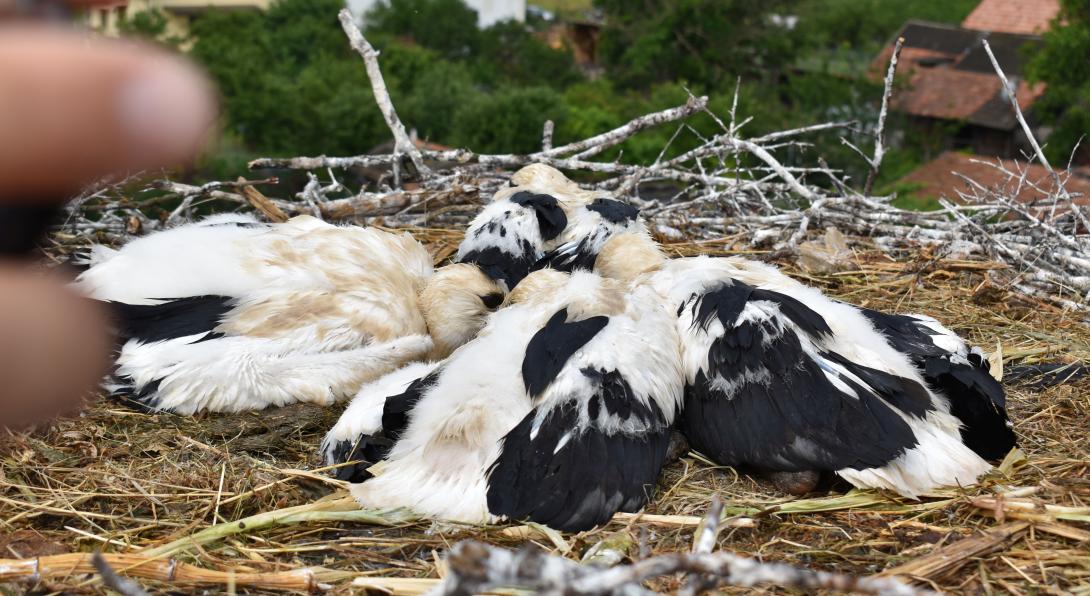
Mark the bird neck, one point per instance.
(626, 256)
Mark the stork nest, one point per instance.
(120, 481)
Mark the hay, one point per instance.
(134, 484)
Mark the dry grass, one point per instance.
(122, 481)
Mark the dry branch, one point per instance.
(402, 143)
(475, 567)
(56, 567)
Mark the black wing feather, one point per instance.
(366, 450)
(568, 259)
(177, 317)
(782, 413)
(976, 398)
(594, 474)
(551, 347)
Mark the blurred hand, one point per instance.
(73, 109)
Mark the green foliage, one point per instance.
(1062, 64)
(865, 25)
(509, 120)
(510, 54)
(447, 26)
(711, 41)
(150, 24)
(291, 85)
(289, 82)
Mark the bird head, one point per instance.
(539, 178)
(456, 302)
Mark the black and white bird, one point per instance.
(558, 412)
(573, 224)
(781, 378)
(230, 314)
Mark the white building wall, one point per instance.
(488, 11)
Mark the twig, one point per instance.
(262, 203)
(176, 573)
(880, 132)
(402, 143)
(475, 567)
(344, 509)
(704, 543)
(1012, 95)
(547, 135)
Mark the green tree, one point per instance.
(509, 53)
(447, 26)
(149, 24)
(704, 42)
(508, 120)
(288, 80)
(1062, 64)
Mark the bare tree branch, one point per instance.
(880, 131)
(402, 143)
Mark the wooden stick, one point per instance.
(402, 142)
(164, 570)
(262, 203)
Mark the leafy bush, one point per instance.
(509, 120)
(446, 26)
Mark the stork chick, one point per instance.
(781, 378)
(230, 314)
(558, 412)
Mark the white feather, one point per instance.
(439, 465)
(363, 416)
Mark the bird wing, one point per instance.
(960, 373)
(171, 318)
(764, 390)
(368, 443)
(198, 259)
(571, 256)
(591, 446)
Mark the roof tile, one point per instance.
(1013, 16)
(937, 177)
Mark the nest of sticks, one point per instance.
(126, 501)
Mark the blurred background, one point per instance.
(486, 74)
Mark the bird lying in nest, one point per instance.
(229, 314)
(528, 421)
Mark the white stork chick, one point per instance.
(230, 314)
(781, 378)
(558, 412)
(574, 223)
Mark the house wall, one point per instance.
(488, 11)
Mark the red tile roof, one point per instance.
(946, 74)
(1013, 16)
(938, 179)
(952, 94)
